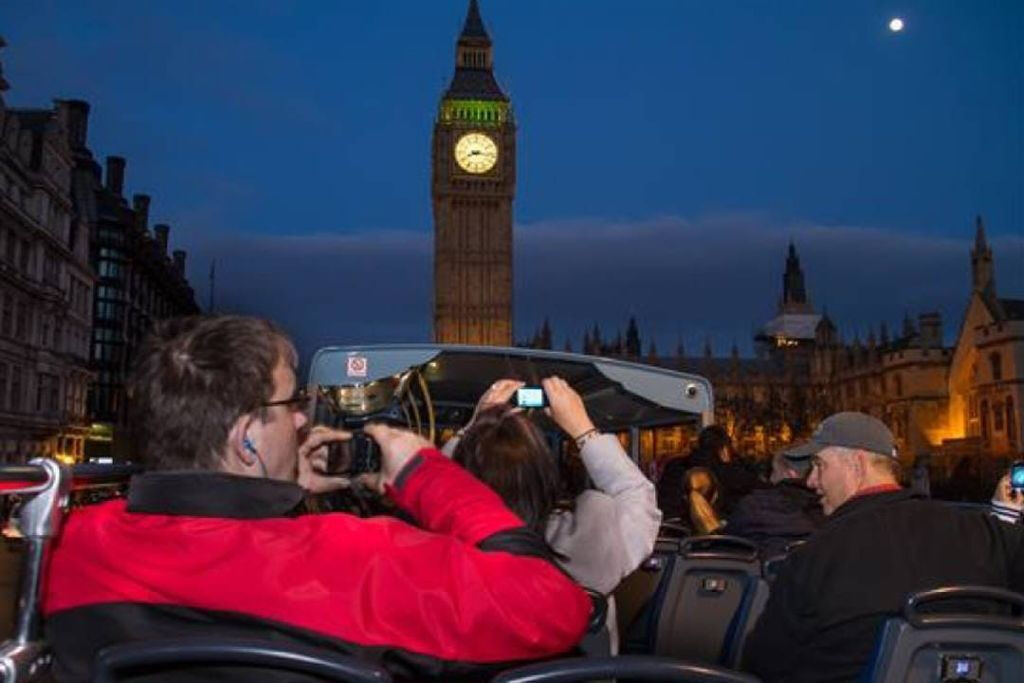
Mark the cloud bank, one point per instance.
(713, 277)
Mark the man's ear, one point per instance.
(236, 441)
(860, 465)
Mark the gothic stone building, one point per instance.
(474, 179)
(945, 402)
(46, 286)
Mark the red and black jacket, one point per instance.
(198, 553)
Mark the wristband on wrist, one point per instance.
(586, 436)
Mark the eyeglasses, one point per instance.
(298, 401)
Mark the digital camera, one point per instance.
(531, 397)
(1017, 475)
(351, 408)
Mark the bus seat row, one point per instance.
(700, 595)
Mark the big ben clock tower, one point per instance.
(474, 182)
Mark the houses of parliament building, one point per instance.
(944, 401)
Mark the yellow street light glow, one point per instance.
(896, 25)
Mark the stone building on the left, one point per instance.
(46, 285)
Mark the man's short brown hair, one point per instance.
(193, 378)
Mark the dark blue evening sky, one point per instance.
(301, 118)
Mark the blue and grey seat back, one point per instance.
(638, 598)
(932, 642)
(711, 600)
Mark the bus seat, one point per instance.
(937, 644)
(639, 596)
(164, 657)
(632, 667)
(711, 600)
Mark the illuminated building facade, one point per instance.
(46, 284)
(986, 375)
(473, 188)
(967, 400)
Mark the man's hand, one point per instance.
(397, 447)
(313, 460)
(566, 407)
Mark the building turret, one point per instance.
(983, 275)
(633, 345)
(794, 291)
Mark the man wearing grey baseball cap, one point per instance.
(880, 543)
(851, 454)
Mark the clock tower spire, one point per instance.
(473, 189)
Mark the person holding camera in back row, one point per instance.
(212, 540)
(605, 532)
(880, 544)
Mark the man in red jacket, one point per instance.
(212, 539)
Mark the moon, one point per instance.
(896, 25)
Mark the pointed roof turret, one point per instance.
(980, 243)
(652, 353)
(474, 62)
(794, 291)
(473, 27)
(983, 274)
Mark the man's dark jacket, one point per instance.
(203, 554)
(828, 605)
(776, 516)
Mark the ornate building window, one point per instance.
(984, 418)
(997, 416)
(15, 401)
(997, 366)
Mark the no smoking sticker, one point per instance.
(356, 366)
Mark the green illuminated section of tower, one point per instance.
(480, 112)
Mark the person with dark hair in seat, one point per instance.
(880, 544)
(781, 514)
(212, 541)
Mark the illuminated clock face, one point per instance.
(476, 153)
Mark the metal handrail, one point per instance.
(47, 486)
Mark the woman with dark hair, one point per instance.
(608, 530)
(506, 451)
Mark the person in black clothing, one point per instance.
(735, 479)
(781, 514)
(880, 544)
(671, 490)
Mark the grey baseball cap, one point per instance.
(849, 430)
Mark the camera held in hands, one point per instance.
(531, 397)
(1017, 476)
(351, 408)
(355, 456)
